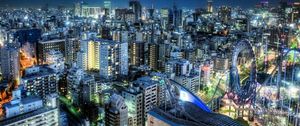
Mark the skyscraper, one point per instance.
(136, 7)
(209, 6)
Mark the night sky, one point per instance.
(124, 3)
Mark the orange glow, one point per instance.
(26, 60)
(6, 96)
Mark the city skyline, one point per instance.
(128, 63)
(192, 4)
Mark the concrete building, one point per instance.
(116, 111)
(10, 64)
(71, 49)
(108, 57)
(45, 46)
(178, 67)
(81, 87)
(134, 101)
(32, 110)
(153, 55)
(40, 81)
(191, 82)
(137, 53)
(149, 90)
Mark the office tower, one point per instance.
(108, 57)
(10, 64)
(40, 81)
(137, 53)
(164, 14)
(72, 46)
(153, 50)
(45, 46)
(225, 14)
(134, 101)
(116, 111)
(209, 6)
(177, 17)
(136, 7)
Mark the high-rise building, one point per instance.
(10, 62)
(177, 17)
(87, 90)
(40, 81)
(134, 101)
(45, 46)
(74, 78)
(164, 14)
(120, 36)
(153, 50)
(209, 6)
(191, 82)
(149, 89)
(136, 7)
(91, 11)
(178, 67)
(137, 56)
(108, 57)
(81, 87)
(140, 98)
(116, 111)
(160, 78)
(72, 47)
(77, 9)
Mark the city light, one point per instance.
(147, 62)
